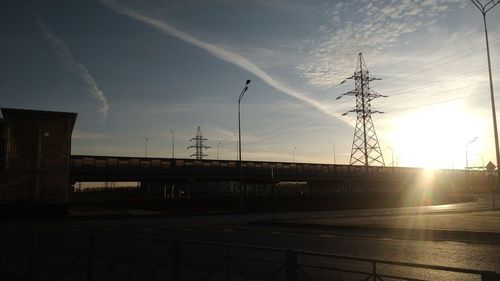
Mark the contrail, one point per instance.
(77, 68)
(219, 52)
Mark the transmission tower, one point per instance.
(199, 147)
(365, 146)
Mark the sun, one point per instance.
(434, 137)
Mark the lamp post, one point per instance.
(173, 143)
(243, 91)
(218, 145)
(467, 161)
(293, 154)
(397, 159)
(466, 154)
(146, 147)
(482, 159)
(333, 146)
(392, 155)
(485, 8)
(237, 144)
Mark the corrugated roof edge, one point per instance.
(4, 109)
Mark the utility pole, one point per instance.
(146, 147)
(365, 146)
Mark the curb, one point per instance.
(392, 232)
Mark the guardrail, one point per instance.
(28, 255)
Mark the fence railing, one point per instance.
(28, 255)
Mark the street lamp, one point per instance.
(237, 144)
(146, 147)
(392, 155)
(173, 147)
(482, 159)
(333, 146)
(485, 8)
(243, 91)
(397, 159)
(293, 154)
(218, 145)
(467, 162)
(466, 154)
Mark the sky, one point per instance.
(156, 70)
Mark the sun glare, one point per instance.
(435, 137)
(426, 179)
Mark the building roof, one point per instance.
(22, 110)
(34, 114)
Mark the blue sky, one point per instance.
(138, 69)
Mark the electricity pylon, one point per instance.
(365, 146)
(198, 146)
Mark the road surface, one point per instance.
(235, 228)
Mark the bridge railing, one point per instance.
(28, 255)
(84, 165)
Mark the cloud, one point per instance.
(172, 108)
(221, 133)
(72, 65)
(220, 53)
(370, 26)
(227, 135)
(82, 135)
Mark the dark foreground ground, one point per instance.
(262, 204)
(328, 245)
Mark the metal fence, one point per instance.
(28, 255)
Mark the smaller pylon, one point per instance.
(198, 146)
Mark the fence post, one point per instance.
(490, 276)
(176, 260)
(291, 265)
(30, 255)
(226, 264)
(374, 266)
(91, 259)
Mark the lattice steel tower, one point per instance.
(199, 147)
(365, 146)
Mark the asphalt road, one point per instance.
(234, 229)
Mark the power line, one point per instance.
(255, 124)
(258, 125)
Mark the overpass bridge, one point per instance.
(35, 152)
(88, 168)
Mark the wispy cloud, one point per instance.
(364, 26)
(83, 135)
(226, 135)
(72, 65)
(218, 52)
